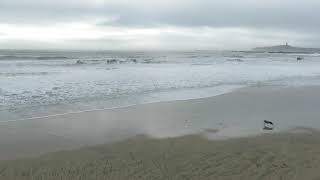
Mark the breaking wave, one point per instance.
(25, 74)
(17, 57)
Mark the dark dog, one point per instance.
(268, 125)
(299, 58)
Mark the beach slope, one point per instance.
(291, 155)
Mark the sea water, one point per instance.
(45, 83)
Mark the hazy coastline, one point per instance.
(159, 90)
(286, 49)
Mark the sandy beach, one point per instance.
(159, 90)
(278, 156)
(212, 138)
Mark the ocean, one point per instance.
(47, 83)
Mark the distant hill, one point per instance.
(286, 49)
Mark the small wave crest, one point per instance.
(122, 61)
(52, 57)
(25, 74)
(235, 60)
(18, 57)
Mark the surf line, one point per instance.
(63, 114)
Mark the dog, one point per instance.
(268, 125)
(299, 58)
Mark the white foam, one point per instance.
(175, 78)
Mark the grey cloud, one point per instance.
(289, 14)
(264, 18)
(228, 13)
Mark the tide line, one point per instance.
(63, 114)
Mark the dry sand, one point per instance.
(169, 150)
(274, 156)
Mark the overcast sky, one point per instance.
(158, 24)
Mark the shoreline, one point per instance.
(236, 114)
(151, 98)
(234, 90)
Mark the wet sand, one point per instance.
(236, 114)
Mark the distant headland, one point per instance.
(286, 49)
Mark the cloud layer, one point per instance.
(165, 24)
